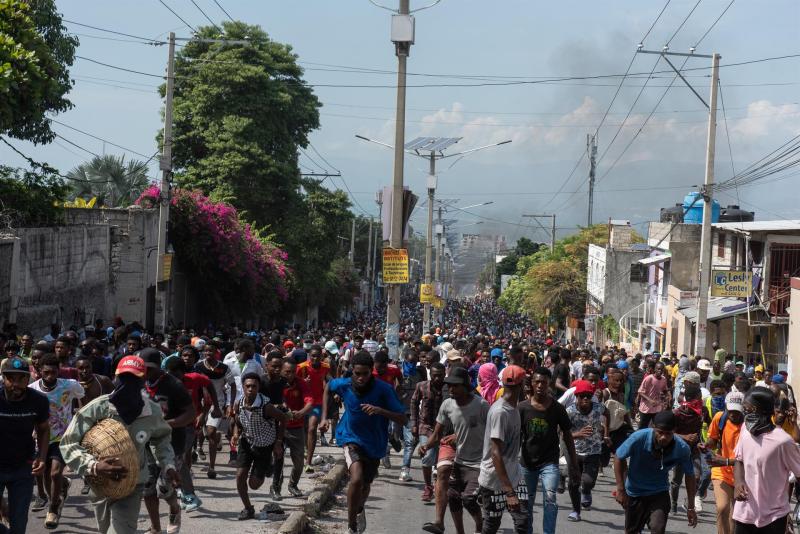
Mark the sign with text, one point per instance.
(395, 266)
(426, 293)
(438, 303)
(166, 267)
(737, 284)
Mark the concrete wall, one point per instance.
(620, 294)
(793, 348)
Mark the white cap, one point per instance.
(704, 365)
(733, 401)
(331, 347)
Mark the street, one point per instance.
(394, 507)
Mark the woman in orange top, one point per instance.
(723, 434)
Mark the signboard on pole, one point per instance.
(426, 293)
(438, 303)
(395, 266)
(738, 284)
(166, 267)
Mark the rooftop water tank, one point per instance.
(693, 206)
(735, 214)
(672, 215)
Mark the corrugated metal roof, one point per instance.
(761, 226)
(719, 308)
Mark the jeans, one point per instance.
(493, 503)
(408, 442)
(294, 439)
(19, 483)
(705, 476)
(588, 467)
(677, 479)
(548, 474)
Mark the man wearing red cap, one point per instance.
(145, 423)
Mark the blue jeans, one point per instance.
(549, 476)
(705, 475)
(408, 443)
(19, 483)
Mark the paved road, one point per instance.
(221, 504)
(395, 508)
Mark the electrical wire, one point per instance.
(220, 30)
(178, 16)
(715, 22)
(98, 138)
(684, 22)
(76, 145)
(224, 11)
(147, 39)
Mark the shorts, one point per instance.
(464, 481)
(54, 452)
(447, 454)
(316, 411)
(648, 510)
(353, 453)
(429, 460)
(156, 484)
(220, 423)
(256, 460)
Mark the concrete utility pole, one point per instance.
(591, 147)
(353, 242)
(368, 273)
(403, 37)
(552, 227)
(165, 164)
(426, 307)
(705, 236)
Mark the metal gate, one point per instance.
(784, 263)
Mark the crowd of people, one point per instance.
(492, 407)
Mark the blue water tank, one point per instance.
(694, 214)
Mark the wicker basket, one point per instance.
(110, 439)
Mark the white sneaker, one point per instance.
(405, 475)
(698, 504)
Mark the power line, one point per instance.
(98, 138)
(207, 17)
(223, 10)
(179, 17)
(148, 39)
(120, 68)
(715, 22)
(684, 22)
(323, 157)
(76, 145)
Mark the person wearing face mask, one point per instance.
(145, 424)
(643, 487)
(765, 455)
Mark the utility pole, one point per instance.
(426, 307)
(708, 197)
(552, 227)
(403, 37)
(353, 242)
(591, 147)
(165, 164)
(438, 263)
(707, 189)
(368, 273)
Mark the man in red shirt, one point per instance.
(298, 400)
(385, 371)
(315, 373)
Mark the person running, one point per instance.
(257, 434)
(25, 427)
(316, 375)
(589, 428)
(643, 487)
(369, 406)
(298, 401)
(542, 418)
(147, 429)
(500, 470)
(272, 386)
(61, 393)
(653, 395)
(464, 416)
(723, 435)
(425, 403)
(689, 424)
(765, 456)
(220, 376)
(411, 375)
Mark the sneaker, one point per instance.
(395, 443)
(39, 503)
(179, 496)
(174, 525)
(405, 475)
(698, 504)
(192, 501)
(427, 494)
(294, 491)
(212, 473)
(386, 462)
(318, 460)
(275, 493)
(86, 488)
(308, 469)
(674, 507)
(323, 441)
(247, 513)
(201, 453)
(586, 501)
(51, 520)
(361, 521)
(194, 457)
(574, 517)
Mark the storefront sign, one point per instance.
(395, 266)
(426, 293)
(737, 284)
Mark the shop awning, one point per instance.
(652, 260)
(719, 308)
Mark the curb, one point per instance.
(317, 499)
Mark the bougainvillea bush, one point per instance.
(234, 264)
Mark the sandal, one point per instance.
(212, 474)
(433, 527)
(247, 513)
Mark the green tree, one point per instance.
(35, 53)
(508, 265)
(240, 114)
(29, 198)
(114, 182)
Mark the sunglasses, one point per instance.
(585, 396)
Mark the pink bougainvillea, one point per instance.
(228, 255)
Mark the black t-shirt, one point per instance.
(174, 400)
(273, 390)
(561, 371)
(539, 433)
(219, 371)
(17, 423)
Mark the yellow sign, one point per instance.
(426, 293)
(438, 303)
(737, 284)
(395, 266)
(166, 267)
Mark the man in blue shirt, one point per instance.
(643, 490)
(363, 430)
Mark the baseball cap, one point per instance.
(704, 365)
(759, 368)
(15, 364)
(131, 365)
(733, 401)
(622, 364)
(513, 375)
(446, 347)
(151, 357)
(453, 354)
(199, 343)
(457, 375)
(692, 376)
(331, 347)
(496, 352)
(778, 379)
(740, 362)
(288, 344)
(582, 387)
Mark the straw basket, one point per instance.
(110, 439)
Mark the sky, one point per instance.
(476, 72)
